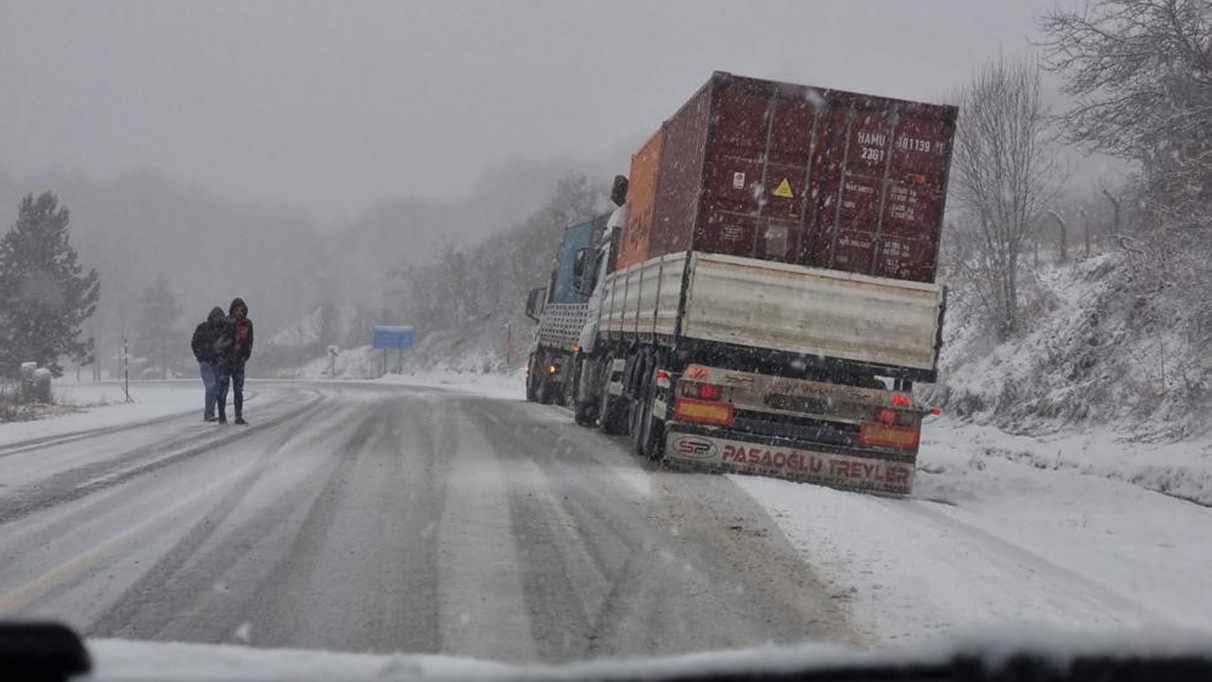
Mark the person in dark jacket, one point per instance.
(206, 335)
(234, 348)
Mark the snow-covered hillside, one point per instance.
(1096, 348)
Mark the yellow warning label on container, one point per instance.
(784, 189)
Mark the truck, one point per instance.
(564, 306)
(763, 298)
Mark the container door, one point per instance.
(912, 211)
(859, 143)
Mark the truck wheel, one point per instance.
(647, 432)
(635, 412)
(532, 378)
(610, 420)
(584, 411)
(547, 390)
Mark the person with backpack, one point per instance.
(234, 348)
(206, 335)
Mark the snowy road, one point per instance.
(377, 518)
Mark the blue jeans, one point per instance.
(234, 375)
(207, 368)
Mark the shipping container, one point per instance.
(641, 195)
(797, 174)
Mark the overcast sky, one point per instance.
(330, 106)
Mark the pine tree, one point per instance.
(44, 294)
(158, 315)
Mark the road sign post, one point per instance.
(397, 337)
(333, 352)
(126, 370)
(509, 347)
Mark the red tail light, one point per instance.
(935, 411)
(886, 416)
(900, 401)
(711, 391)
(662, 374)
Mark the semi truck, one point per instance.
(564, 307)
(763, 298)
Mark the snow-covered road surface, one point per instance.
(377, 518)
(438, 519)
(993, 535)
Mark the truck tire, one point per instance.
(547, 390)
(569, 396)
(532, 378)
(648, 432)
(584, 411)
(610, 416)
(635, 406)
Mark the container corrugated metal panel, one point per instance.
(681, 176)
(641, 195)
(814, 176)
(812, 311)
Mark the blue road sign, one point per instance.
(393, 336)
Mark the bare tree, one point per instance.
(1141, 71)
(1003, 173)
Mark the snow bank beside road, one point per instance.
(102, 405)
(1182, 469)
(988, 539)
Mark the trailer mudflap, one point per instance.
(715, 451)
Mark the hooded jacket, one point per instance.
(206, 336)
(237, 340)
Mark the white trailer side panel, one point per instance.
(812, 311)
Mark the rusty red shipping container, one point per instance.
(798, 174)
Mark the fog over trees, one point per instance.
(1127, 80)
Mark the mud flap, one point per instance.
(839, 470)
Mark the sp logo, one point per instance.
(691, 447)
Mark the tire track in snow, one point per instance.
(73, 484)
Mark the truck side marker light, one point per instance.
(719, 414)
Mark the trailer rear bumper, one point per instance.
(692, 447)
